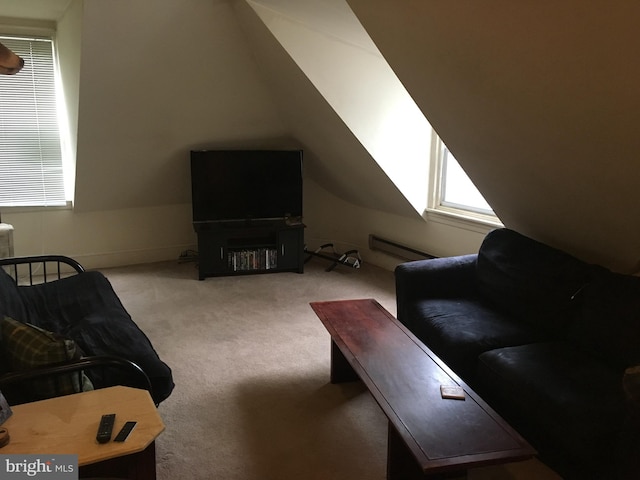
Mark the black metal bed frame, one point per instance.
(62, 266)
(11, 266)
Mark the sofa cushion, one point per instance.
(530, 280)
(557, 397)
(609, 322)
(459, 329)
(27, 347)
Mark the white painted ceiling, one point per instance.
(34, 9)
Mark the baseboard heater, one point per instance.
(396, 249)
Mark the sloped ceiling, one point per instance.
(334, 157)
(157, 78)
(176, 76)
(538, 101)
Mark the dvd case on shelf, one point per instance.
(253, 259)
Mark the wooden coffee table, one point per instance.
(428, 436)
(68, 425)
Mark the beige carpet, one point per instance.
(250, 361)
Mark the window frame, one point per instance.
(45, 31)
(449, 214)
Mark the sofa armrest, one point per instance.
(434, 278)
(135, 376)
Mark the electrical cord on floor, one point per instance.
(188, 256)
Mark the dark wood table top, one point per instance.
(404, 377)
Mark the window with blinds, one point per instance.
(30, 150)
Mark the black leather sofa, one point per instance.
(68, 334)
(545, 339)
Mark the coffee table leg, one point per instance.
(341, 371)
(402, 465)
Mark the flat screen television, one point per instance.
(232, 185)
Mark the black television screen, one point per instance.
(228, 185)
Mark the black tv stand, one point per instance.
(249, 247)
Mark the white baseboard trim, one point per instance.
(96, 261)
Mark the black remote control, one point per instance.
(124, 433)
(105, 428)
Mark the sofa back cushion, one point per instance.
(531, 281)
(609, 321)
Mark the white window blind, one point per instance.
(30, 151)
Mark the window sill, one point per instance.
(474, 222)
(38, 208)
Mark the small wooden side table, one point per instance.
(68, 425)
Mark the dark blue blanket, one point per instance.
(86, 309)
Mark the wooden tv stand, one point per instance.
(240, 248)
(429, 436)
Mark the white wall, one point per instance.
(139, 110)
(329, 219)
(150, 234)
(159, 78)
(68, 44)
(106, 238)
(145, 81)
(538, 101)
(347, 196)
